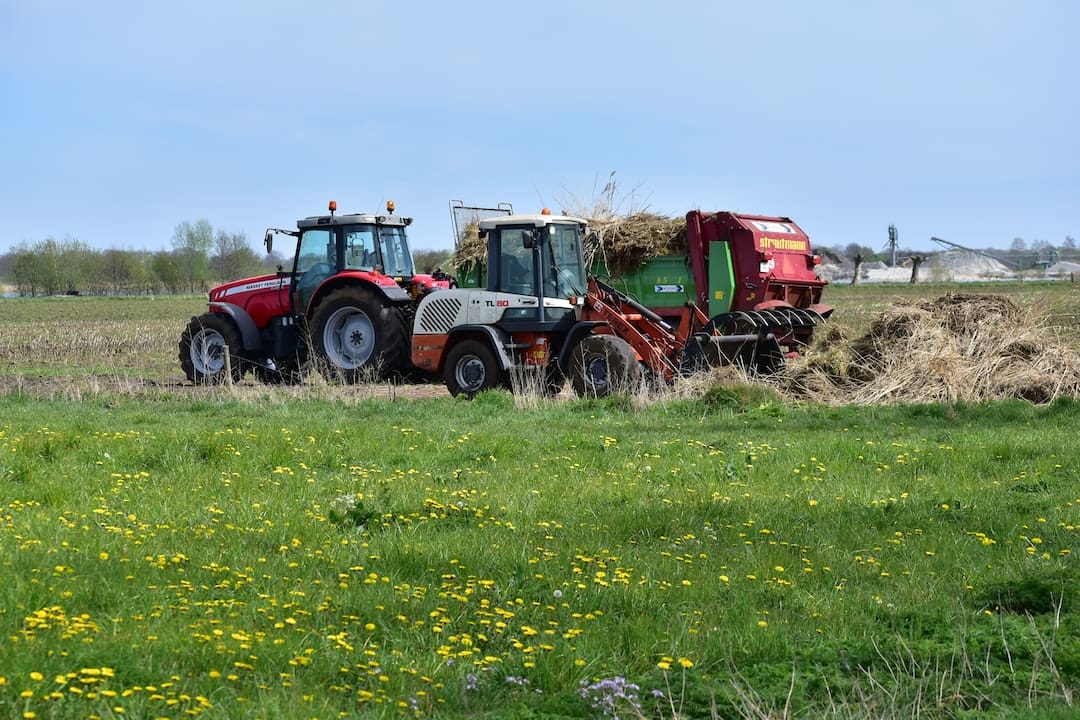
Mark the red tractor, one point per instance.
(345, 307)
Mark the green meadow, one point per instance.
(247, 552)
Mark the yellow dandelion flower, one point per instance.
(687, 663)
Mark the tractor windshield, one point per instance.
(397, 261)
(564, 270)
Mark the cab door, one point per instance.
(316, 260)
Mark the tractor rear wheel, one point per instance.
(471, 367)
(604, 364)
(356, 336)
(211, 352)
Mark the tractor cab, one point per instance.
(358, 244)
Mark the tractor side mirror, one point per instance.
(268, 241)
(528, 239)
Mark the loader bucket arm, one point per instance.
(659, 345)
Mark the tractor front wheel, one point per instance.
(354, 336)
(211, 352)
(604, 364)
(471, 367)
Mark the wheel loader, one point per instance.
(540, 319)
(344, 306)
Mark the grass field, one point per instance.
(251, 553)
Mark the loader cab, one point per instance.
(540, 256)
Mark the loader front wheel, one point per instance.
(471, 368)
(604, 364)
(554, 380)
(211, 352)
(354, 336)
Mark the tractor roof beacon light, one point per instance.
(333, 207)
(545, 211)
(390, 206)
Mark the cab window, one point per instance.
(516, 271)
(360, 250)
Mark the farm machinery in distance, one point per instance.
(345, 306)
(540, 318)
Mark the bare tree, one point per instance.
(916, 261)
(233, 258)
(191, 249)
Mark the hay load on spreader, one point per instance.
(623, 244)
(955, 347)
(618, 245)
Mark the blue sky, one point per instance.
(951, 119)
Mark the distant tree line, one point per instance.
(1020, 255)
(199, 258)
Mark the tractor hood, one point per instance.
(231, 291)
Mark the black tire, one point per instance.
(471, 368)
(554, 380)
(211, 351)
(357, 335)
(604, 364)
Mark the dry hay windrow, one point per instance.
(950, 348)
(621, 244)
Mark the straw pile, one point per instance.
(470, 249)
(954, 347)
(622, 244)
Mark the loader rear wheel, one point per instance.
(471, 368)
(355, 336)
(604, 364)
(211, 352)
